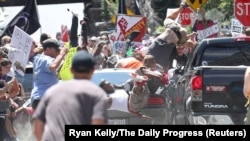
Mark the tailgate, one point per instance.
(223, 90)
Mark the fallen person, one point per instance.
(118, 99)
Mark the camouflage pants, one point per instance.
(247, 118)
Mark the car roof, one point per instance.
(114, 76)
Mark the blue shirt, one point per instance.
(43, 77)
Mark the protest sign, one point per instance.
(236, 27)
(128, 24)
(19, 49)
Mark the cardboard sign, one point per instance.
(127, 24)
(19, 50)
(236, 27)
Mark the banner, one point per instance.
(26, 19)
(206, 29)
(19, 49)
(128, 24)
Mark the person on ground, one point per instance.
(76, 102)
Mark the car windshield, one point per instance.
(114, 77)
(227, 55)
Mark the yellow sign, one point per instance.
(195, 4)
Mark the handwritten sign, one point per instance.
(19, 49)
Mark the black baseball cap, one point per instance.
(83, 62)
(51, 43)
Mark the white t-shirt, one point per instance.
(119, 101)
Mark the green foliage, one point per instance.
(225, 7)
(112, 6)
(159, 29)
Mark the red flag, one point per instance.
(65, 34)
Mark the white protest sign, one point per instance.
(20, 48)
(236, 27)
(204, 33)
(127, 24)
(120, 47)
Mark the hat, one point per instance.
(184, 37)
(93, 38)
(83, 62)
(51, 43)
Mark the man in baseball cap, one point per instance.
(82, 62)
(51, 43)
(45, 68)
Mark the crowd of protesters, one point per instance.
(152, 59)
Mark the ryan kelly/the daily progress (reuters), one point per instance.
(139, 132)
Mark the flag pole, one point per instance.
(38, 16)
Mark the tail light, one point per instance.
(196, 87)
(156, 101)
(238, 39)
(196, 83)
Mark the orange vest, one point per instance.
(130, 63)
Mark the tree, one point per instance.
(224, 6)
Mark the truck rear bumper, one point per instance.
(216, 119)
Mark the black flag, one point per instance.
(122, 8)
(137, 10)
(27, 19)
